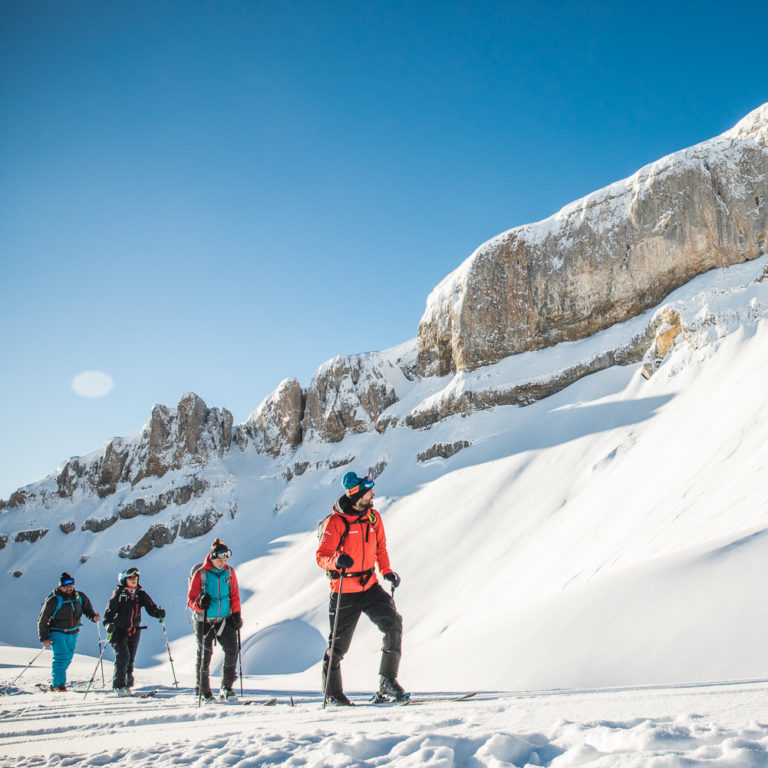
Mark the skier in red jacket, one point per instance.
(353, 543)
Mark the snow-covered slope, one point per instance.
(695, 727)
(611, 534)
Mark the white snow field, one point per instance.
(703, 725)
(594, 565)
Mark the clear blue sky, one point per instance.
(213, 196)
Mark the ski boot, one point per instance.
(338, 699)
(390, 689)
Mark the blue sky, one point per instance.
(214, 196)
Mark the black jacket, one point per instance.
(123, 612)
(62, 613)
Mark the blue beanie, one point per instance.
(356, 487)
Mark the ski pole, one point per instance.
(203, 635)
(10, 685)
(240, 660)
(93, 676)
(165, 634)
(101, 653)
(333, 640)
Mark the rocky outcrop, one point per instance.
(193, 526)
(157, 536)
(605, 258)
(668, 327)
(463, 400)
(347, 395)
(275, 426)
(68, 526)
(152, 505)
(17, 499)
(30, 536)
(443, 450)
(97, 525)
(188, 527)
(192, 432)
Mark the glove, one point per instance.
(204, 601)
(161, 613)
(236, 620)
(344, 561)
(394, 578)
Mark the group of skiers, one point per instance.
(352, 544)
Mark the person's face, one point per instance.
(220, 561)
(366, 502)
(68, 588)
(132, 581)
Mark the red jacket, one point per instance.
(365, 543)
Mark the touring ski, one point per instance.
(259, 702)
(407, 700)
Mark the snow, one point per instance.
(700, 725)
(593, 564)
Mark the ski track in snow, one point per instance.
(676, 726)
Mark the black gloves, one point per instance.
(236, 620)
(344, 561)
(204, 601)
(161, 613)
(394, 578)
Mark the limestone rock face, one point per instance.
(605, 258)
(275, 426)
(347, 394)
(668, 328)
(157, 536)
(191, 431)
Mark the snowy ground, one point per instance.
(698, 725)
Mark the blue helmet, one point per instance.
(123, 575)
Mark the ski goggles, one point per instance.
(67, 583)
(131, 573)
(223, 554)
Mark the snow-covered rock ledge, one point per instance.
(708, 307)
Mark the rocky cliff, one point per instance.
(606, 258)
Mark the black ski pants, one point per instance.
(226, 636)
(125, 647)
(379, 607)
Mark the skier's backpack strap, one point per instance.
(195, 569)
(321, 531)
(60, 602)
(323, 524)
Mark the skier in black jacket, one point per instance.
(122, 618)
(59, 625)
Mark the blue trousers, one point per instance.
(63, 644)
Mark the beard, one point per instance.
(364, 504)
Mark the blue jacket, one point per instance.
(221, 585)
